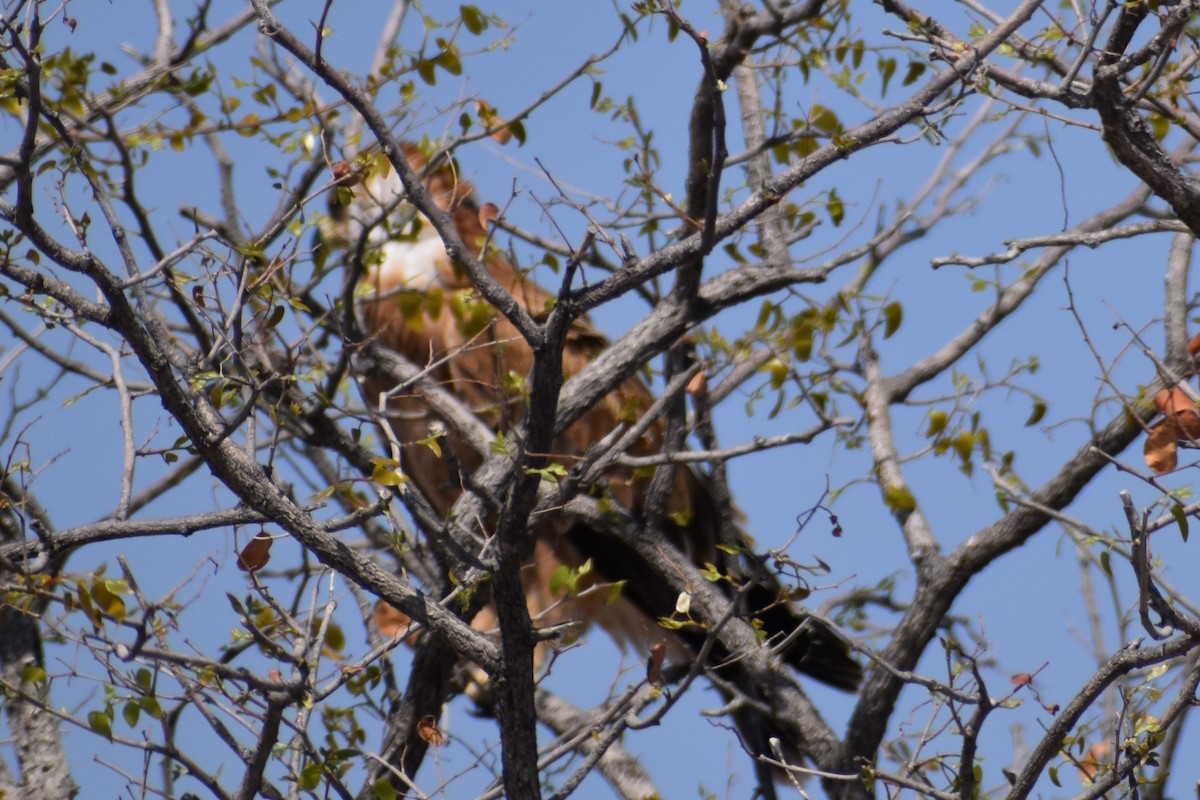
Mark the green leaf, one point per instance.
(310, 775)
(561, 579)
(427, 70)
(383, 790)
(107, 600)
(937, 423)
(150, 706)
(335, 638)
(614, 591)
(476, 23)
(99, 722)
(387, 472)
(898, 498)
(893, 315)
(276, 317)
(131, 712)
(517, 129)
(887, 68)
(915, 70)
(448, 60)
(431, 442)
(836, 209)
(778, 370)
(963, 444)
(32, 673)
(1181, 520)
(1035, 416)
(551, 473)
(824, 120)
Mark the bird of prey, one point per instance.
(419, 303)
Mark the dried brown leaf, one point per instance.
(654, 663)
(1161, 449)
(1093, 760)
(256, 553)
(392, 622)
(427, 729)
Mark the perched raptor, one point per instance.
(417, 302)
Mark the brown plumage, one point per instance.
(421, 305)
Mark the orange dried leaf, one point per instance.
(1173, 401)
(1193, 347)
(698, 385)
(1022, 679)
(490, 119)
(1161, 448)
(256, 553)
(1176, 402)
(654, 663)
(392, 622)
(488, 212)
(427, 729)
(1189, 424)
(1093, 760)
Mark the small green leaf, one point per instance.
(551, 473)
(99, 722)
(1181, 520)
(335, 638)
(778, 371)
(561, 579)
(893, 315)
(32, 673)
(150, 706)
(383, 790)
(1035, 416)
(898, 498)
(836, 209)
(107, 600)
(937, 423)
(432, 443)
(476, 23)
(387, 472)
(275, 318)
(426, 69)
(915, 70)
(614, 591)
(517, 129)
(310, 775)
(963, 444)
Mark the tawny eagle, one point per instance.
(418, 302)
